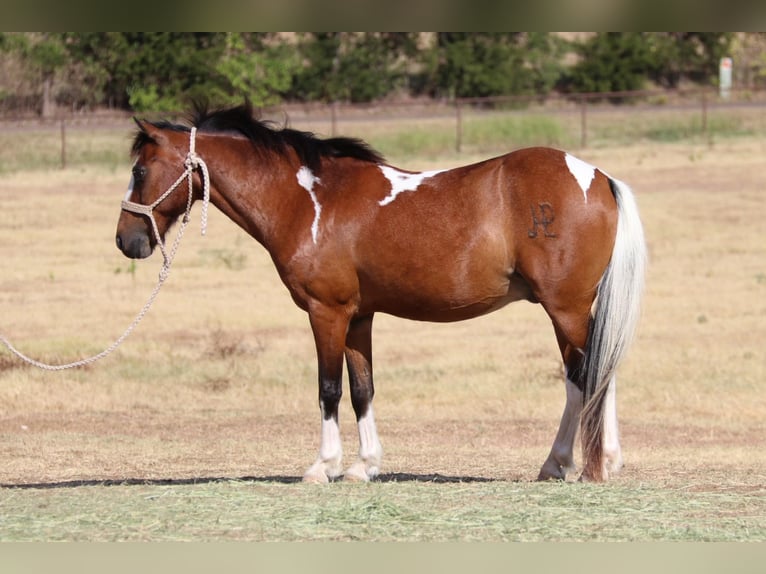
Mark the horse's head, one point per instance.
(156, 195)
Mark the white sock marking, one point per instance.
(367, 465)
(561, 458)
(582, 171)
(307, 180)
(401, 181)
(570, 421)
(369, 444)
(330, 449)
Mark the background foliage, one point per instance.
(161, 71)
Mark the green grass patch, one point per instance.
(423, 141)
(494, 132)
(41, 149)
(681, 130)
(609, 128)
(379, 511)
(514, 131)
(401, 138)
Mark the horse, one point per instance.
(351, 236)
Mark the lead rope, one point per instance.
(192, 162)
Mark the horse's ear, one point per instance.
(150, 132)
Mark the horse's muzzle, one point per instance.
(136, 246)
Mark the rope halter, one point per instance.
(192, 162)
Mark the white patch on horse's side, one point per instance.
(307, 180)
(130, 188)
(582, 171)
(401, 181)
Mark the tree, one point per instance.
(470, 64)
(162, 71)
(371, 67)
(254, 69)
(150, 70)
(543, 55)
(616, 61)
(749, 53)
(45, 55)
(357, 67)
(610, 62)
(317, 76)
(691, 56)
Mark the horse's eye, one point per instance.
(139, 173)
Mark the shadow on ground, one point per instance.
(391, 477)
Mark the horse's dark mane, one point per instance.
(265, 135)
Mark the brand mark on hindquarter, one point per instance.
(542, 218)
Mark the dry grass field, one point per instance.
(218, 382)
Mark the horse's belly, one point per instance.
(445, 302)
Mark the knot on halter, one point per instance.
(192, 161)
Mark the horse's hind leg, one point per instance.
(571, 333)
(359, 361)
(560, 461)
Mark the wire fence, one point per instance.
(583, 119)
(427, 127)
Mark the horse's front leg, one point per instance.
(359, 361)
(329, 329)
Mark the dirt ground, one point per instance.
(468, 401)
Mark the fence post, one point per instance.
(704, 113)
(458, 127)
(583, 122)
(334, 119)
(63, 144)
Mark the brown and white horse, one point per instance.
(351, 236)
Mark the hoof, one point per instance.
(358, 472)
(543, 476)
(614, 464)
(588, 477)
(355, 477)
(315, 478)
(552, 470)
(321, 473)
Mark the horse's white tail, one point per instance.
(616, 315)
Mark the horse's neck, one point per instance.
(256, 195)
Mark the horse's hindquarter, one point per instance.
(564, 221)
